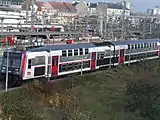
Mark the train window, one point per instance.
(142, 45)
(86, 51)
(122, 53)
(75, 52)
(150, 44)
(132, 47)
(29, 63)
(81, 51)
(69, 52)
(93, 56)
(86, 64)
(145, 45)
(64, 53)
(39, 60)
(155, 44)
(129, 47)
(49, 60)
(54, 62)
(49, 70)
(139, 46)
(135, 46)
(69, 66)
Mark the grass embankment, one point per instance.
(123, 93)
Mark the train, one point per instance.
(40, 28)
(11, 40)
(37, 28)
(51, 61)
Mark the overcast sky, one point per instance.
(140, 5)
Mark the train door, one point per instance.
(93, 61)
(121, 56)
(55, 66)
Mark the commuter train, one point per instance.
(56, 60)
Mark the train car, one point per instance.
(57, 60)
(40, 28)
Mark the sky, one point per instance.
(138, 5)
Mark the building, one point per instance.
(107, 8)
(81, 8)
(50, 12)
(149, 11)
(10, 13)
(156, 10)
(39, 10)
(63, 12)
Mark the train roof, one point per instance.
(126, 42)
(62, 47)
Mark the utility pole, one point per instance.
(101, 24)
(27, 12)
(106, 21)
(6, 88)
(2, 26)
(123, 17)
(32, 16)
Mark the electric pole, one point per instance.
(27, 12)
(32, 16)
(123, 17)
(2, 26)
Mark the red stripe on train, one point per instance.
(55, 65)
(23, 65)
(93, 61)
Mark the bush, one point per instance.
(15, 106)
(143, 92)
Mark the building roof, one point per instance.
(70, 6)
(63, 6)
(37, 3)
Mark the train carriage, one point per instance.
(139, 49)
(56, 60)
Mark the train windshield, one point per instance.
(14, 60)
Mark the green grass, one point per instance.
(99, 96)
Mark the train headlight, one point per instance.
(3, 68)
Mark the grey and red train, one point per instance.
(57, 60)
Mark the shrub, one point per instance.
(15, 106)
(143, 92)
